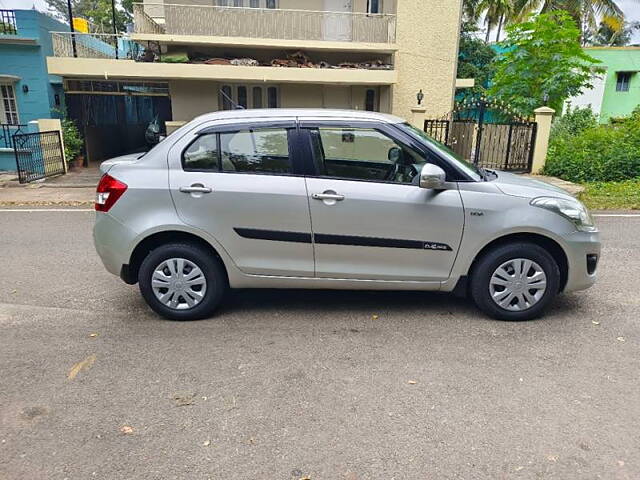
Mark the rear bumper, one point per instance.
(581, 247)
(111, 240)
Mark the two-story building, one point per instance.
(616, 92)
(207, 55)
(28, 92)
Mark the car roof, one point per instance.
(301, 113)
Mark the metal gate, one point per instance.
(38, 155)
(488, 134)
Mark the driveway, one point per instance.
(320, 385)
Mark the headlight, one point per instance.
(572, 210)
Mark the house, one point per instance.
(203, 56)
(616, 92)
(28, 91)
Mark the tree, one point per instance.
(98, 12)
(587, 14)
(543, 64)
(475, 60)
(605, 36)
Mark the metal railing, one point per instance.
(8, 24)
(7, 130)
(283, 24)
(94, 45)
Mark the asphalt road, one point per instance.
(289, 385)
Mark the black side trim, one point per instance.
(274, 235)
(327, 239)
(378, 242)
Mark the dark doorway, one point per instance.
(114, 125)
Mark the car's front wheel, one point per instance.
(516, 281)
(182, 281)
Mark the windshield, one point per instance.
(469, 168)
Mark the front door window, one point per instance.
(363, 154)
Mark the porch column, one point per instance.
(544, 116)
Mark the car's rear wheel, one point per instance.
(182, 281)
(516, 281)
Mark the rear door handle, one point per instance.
(196, 189)
(327, 196)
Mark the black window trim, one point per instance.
(396, 134)
(290, 126)
(623, 82)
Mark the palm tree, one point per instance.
(588, 14)
(497, 12)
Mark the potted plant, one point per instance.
(73, 144)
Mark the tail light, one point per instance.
(108, 192)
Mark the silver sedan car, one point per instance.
(330, 199)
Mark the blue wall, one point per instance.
(28, 62)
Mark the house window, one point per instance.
(9, 109)
(249, 96)
(623, 81)
(374, 6)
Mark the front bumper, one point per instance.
(583, 251)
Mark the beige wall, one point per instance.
(192, 98)
(427, 39)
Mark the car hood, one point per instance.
(527, 187)
(124, 159)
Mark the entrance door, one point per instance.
(337, 20)
(236, 183)
(370, 218)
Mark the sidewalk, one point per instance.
(73, 189)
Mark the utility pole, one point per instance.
(115, 29)
(73, 36)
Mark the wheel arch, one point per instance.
(549, 244)
(130, 271)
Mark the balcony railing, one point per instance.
(94, 45)
(269, 23)
(8, 22)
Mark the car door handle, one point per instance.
(328, 196)
(196, 189)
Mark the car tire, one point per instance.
(490, 276)
(190, 257)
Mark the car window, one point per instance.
(263, 150)
(363, 154)
(202, 154)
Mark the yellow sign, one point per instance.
(80, 25)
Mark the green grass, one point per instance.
(612, 195)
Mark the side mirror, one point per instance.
(433, 177)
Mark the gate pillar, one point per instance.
(418, 116)
(544, 116)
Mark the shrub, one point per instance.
(72, 139)
(596, 153)
(573, 122)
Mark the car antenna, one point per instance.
(235, 105)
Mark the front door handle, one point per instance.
(196, 188)
(328, 196)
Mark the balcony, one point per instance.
(263, 23)
(79, 55)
